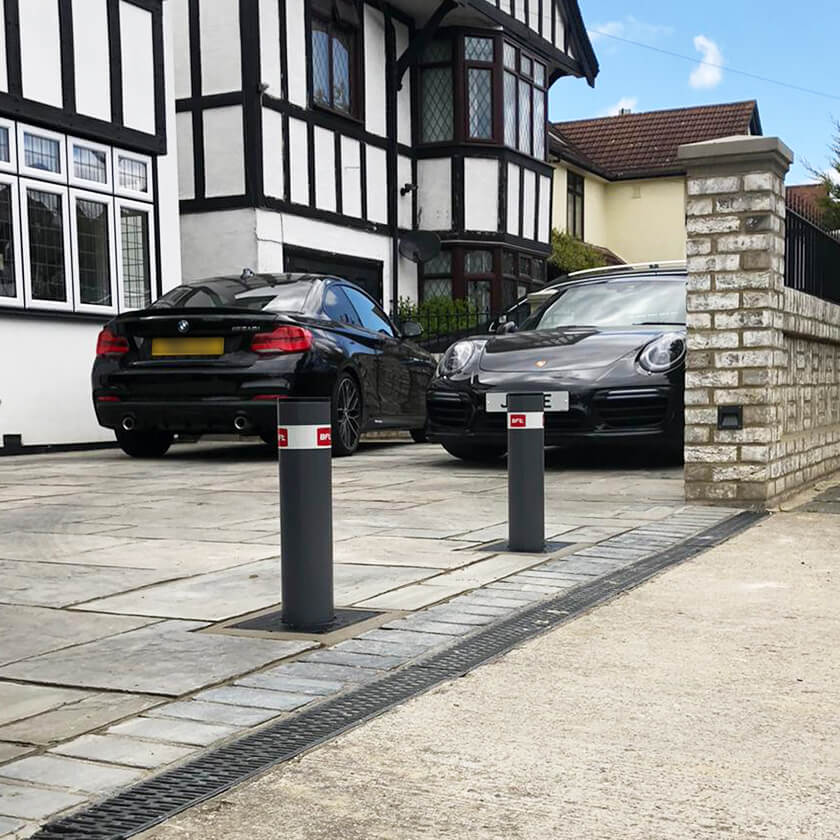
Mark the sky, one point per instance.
(792, 43)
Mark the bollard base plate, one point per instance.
(272, 622)
(503, 546)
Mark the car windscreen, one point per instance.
(620, 303)
(225, 293)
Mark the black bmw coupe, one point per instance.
(611, 345)
(214, 356)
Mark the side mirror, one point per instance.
(411, 329)
(507, 328)
(494, 325)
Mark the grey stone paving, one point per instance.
(193, 539)
(70, 773)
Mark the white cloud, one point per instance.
(629, 28)
(625, 103)
(709, 73)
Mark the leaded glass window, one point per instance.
(46, 245)
(93, 245)
(90, 164)
(437, 276)
(441, 264)
(5, 151)
(510, 110)
(8, 284)
(41, 152)
(478, 262)
(136, 262)
(334, 58)
(133, 175)
(437, 52)
(510, 56)
(434, 287)
(436, 99)
(508, 263)
(478, 292)
(524, 117)
(539, 74)
(478, 49)
(539, 123)
(480, 98)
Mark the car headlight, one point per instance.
(456, 358)
(663, 353)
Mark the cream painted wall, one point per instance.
(640, 220)
(645, 220)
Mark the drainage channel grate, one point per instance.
(151, 802)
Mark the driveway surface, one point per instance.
(702, 705)
(115, 572)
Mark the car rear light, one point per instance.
(287, 339)
(107, 399)
(270, 397)
(109, 344)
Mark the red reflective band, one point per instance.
(109, 344)
(282, 438)
(518, 421)
(304, 437)
(270, 397)
(325, 436)
(107, 399)
(526, 420)
(286, 339)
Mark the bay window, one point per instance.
(135, 255)
(91, 222)
(502, 93)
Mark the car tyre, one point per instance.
(346, 416)
(475, 451)
(150, 443)
(419, 435)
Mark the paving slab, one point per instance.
(334, 656)
(34, 803)
(53, 547)
(62, 585)
(385, 550)
(167, 658)
(71, 773)
(11, 751)
(9, 826)
(201, 710)
(174, 731)
(29, 631)
(257, 697)
(19, 700)
(413, 597)
(334, 673)
(121, 749)
(277, 679)
(91, 712)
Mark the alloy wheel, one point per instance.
(348, 410)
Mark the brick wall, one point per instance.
(752, 343)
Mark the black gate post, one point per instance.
(526, 472)
(304, 450)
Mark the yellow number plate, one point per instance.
(188, 346)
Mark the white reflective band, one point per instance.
(304, 437)
(525, 420)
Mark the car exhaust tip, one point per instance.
(128, 423)
(240, 423)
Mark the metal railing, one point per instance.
(812, 254)
(441, 329)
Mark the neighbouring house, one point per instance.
(618, 184)
(88, 200)
(318, 135)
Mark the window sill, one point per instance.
(325, 109)
(55, 314)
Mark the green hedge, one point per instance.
(441, 315)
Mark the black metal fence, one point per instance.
(812, 254)
(440, 329)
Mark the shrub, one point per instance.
(569, 254)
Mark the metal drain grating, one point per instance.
(151, 802)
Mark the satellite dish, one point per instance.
(420, 246)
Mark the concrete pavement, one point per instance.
(700, 705)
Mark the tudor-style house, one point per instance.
(88, 203)
(315, 135)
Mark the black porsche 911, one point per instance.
(613, 343)
(215, 356)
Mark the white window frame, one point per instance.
(149, 209)
(17, 300)
(84, 183)
(12, 164)
(123, 191)
(42, 186)
(99, 198)
(42, 174)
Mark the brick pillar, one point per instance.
(735, 221)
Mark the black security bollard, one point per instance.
(526, 473)
(304, 447)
